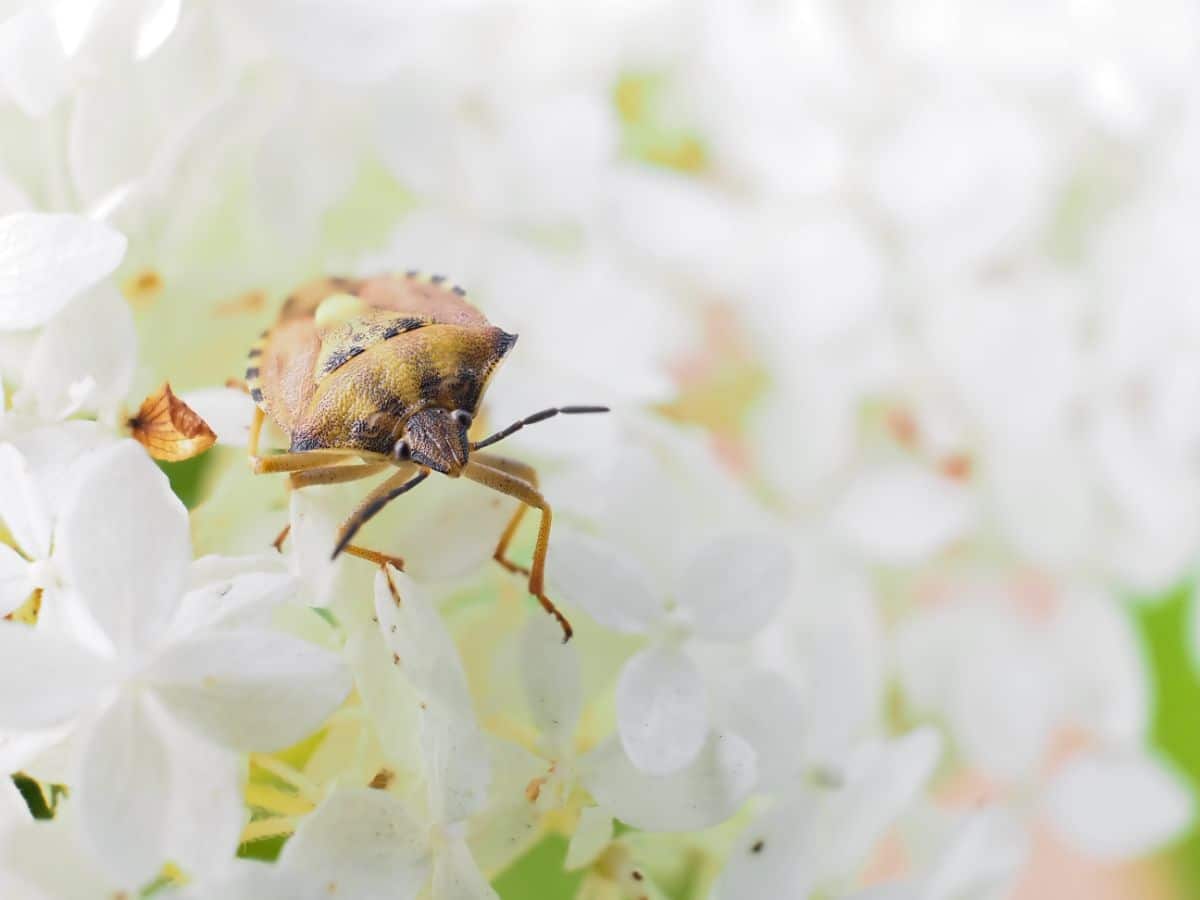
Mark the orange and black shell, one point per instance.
(415, 342)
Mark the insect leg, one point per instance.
(334, 474)
(383, 494)
(509, 484)
(292, 462)
(373, 556)
(256, 425)
(526, 473)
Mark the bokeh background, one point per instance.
(924, 273)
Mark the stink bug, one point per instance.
(367, 375)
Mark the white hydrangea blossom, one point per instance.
(920, 285)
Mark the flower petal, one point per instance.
(592, 835)
(708, 791)
(84, 358)
(353, 43)
(123, 542)
(457, 877)
(550, 674)
(1119, 805)
(766, 710)
(15, 582)
(610, 586)
(662, 710)
(49, 679)
(360, 843)
(902, 514)
(204, 804)
(124, 776)
(881, 780)
(23, 509)
(46, 259)
(33, 64)
(233, 592)
(734, 585)
(772, 857)
(250, 689)
(458, 767)
(226, 410)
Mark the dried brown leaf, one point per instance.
(169, 429)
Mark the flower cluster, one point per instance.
(894, 312)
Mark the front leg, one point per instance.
(529, 495)
(526, 473)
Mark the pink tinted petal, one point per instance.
(662, 710)
(123, 542)
(250, 689)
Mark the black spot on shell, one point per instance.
(437, 279)
(255, 352)
(505, 343)
(256, 395)
(458, 290)
(400, 326)
(431, 380)
(251, 373)
(300, 444)
(412, 273)
(340, 358)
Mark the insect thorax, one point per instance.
(365, 401)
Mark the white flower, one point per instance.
(46, 260)
(1011, 667)
(704, 792)
(412, 681)
(23, 511)
(156, 682)
(815, 840)
(727, 592)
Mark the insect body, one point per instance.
(387, 373)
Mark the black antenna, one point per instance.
(536, 417)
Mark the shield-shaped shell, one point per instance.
(349, 361)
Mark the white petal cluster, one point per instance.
(895, 305)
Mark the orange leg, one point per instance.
(406, 477)
(513, 486)
(333, 474)
(372, 556)
(526, 473)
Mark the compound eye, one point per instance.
(401, 450)
(462, 417)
